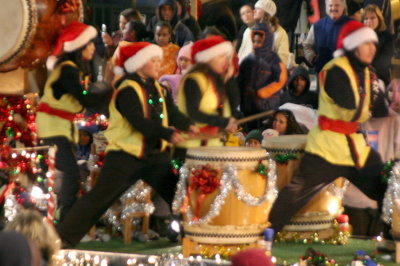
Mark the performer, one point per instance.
(68, 91)
(204, 93)
(335, 148)
(138, 135)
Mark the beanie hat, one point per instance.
(206, 49)
(352, 35)
(267, 5)
(352, 7)
(254, 134)
(135, 55)
(73, 37)
(252, 256)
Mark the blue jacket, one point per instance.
(326, 32)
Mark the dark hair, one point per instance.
(271, 21)
(292, 126)
(131, 14)
(247, 4)
(211, 30)
(139, 28)
(76, 57)
(163, 24)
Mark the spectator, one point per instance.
(162, 36)
(244, 44)
(284, 122)
(167, 10)
(124, 17)
(184, 63)
(188, 19)
(265, 11)
(254, 138)
(321, 39)
(39, 231)
(17, 250)
(298, 89)
(382, 63)
(261, 76)
(354, 10)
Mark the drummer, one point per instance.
(335, 148)
(138, 134)
(68, 91)
(202, 94)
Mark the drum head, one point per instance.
(17, 23)
(285, 144)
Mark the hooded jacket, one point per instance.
(189, 20)
(181, 33)
(307, 97)
(261, 76)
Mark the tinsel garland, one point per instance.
(228, 181)
(316, 258)
(392, 193)
(97, 119)
(336, 191)
(284, 158)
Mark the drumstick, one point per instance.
(254, 117)
(206, 136)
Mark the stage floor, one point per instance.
(284, 252)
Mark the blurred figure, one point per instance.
(244, 45)
(39, 231)
(252, 257)
(188, 19)
(354, 10)
(162, 37)
(254, 138)
(284, 122)
(17, 250)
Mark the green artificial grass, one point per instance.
(288, 253)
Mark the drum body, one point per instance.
(28, 32)
(321, 211)
(237, 222)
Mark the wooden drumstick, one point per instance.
(206, 136)
(254, 117)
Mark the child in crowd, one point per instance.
(184, 63)
(261, 76)
(254, 138)
(141, 114)
(244, 44)
(298, 89)
(284, 122)
(162, 36)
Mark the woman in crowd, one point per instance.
(284, 122)
(372, 17)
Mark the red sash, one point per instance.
(46, 108)
(338, 126)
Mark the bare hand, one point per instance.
(232, 125)
(194, 130)
(107, 40)
(176, 138)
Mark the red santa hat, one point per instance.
(352, 35)
(206, 49)
(135, 55)
(73, 37)
(253, 257)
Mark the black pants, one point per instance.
(67, 170)
(120, 171)
(314, 174)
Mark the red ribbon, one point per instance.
(46, 108)
(205, 179)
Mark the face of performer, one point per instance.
(122, 22)
(371, 20)
(253, 143)
(151, 69)
(334, 9)
(219, 64)
(167, 12)
(247, 15)
(88, 51)
(366, 52)
(280, 123)
(258, 14)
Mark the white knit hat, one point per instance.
(267, 5)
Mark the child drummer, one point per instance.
(138, 135)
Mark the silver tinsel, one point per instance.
(11, 207)
(336, 191)
(228, 181)
(392, 193)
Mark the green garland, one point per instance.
(262, 169)
(386, 170)
(176, 165)
(284, 158)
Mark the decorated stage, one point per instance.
(285, 253)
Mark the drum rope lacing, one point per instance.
(228, 181)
